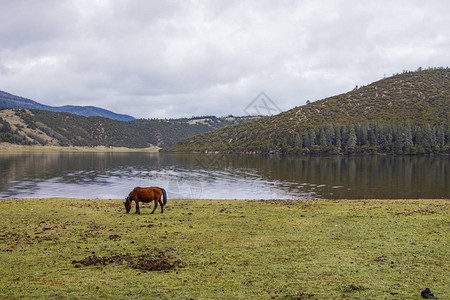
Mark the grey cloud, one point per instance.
(183, 58)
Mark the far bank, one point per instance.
(35, 148)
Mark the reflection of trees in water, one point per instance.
(24, 166)
(69, 167)
(350, 176)
(187, 174)
(374, 176)
(368, 176)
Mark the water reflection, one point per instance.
(113, 175)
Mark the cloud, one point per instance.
(183, 58)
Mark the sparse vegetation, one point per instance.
(224, 249)
(41, 127)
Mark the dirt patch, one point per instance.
(14, 238)
(53, 282)
(418, 212)
(304, 204)
(380, 259)
(114, 237)
(353, 288)
(156, 260)
(300, 296)
(45, 226)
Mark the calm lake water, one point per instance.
(114, 175)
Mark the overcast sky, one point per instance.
(169, 59)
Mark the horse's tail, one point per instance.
(164, 196)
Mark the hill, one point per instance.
(407, 113)
(11, 101)
(43, 127)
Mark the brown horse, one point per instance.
(146, 195)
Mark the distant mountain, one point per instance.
(44, 127)
(405, 114)
(11, 101)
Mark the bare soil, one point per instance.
(156, 261)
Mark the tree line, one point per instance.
(373, 137)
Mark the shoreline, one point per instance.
(6, 147)
(368, 200)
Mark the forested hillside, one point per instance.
(41, 127)
(406, 114)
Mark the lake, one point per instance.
(113, 175)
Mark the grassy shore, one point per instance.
(13, 147)
(210, 249)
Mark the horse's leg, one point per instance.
(162, 206)
(138, 211)
(156, 205)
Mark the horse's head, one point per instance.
(127, 204)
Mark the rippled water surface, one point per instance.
(114, 175)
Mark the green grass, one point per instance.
(364, 249)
